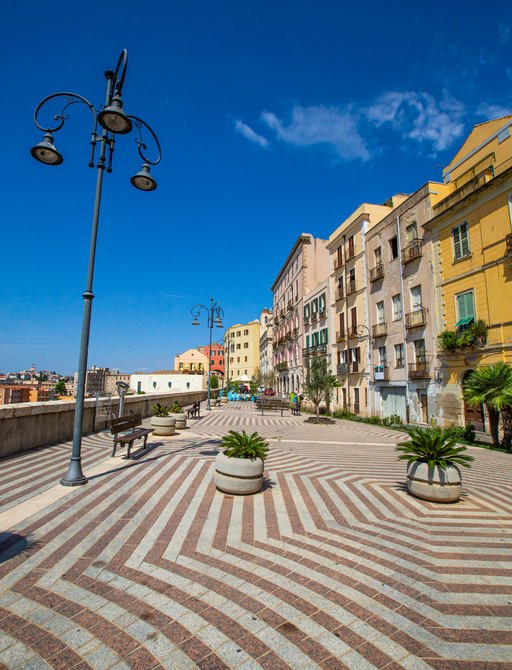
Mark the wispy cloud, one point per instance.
(504, 33)
(419, 116)
(492, 111)
(245, 130)
(333, 127)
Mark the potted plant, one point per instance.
(239, 467)
(179, 414)
(161, 421)
(432, 464)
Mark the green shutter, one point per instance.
(465, 308)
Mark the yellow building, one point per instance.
(243, 344)
(472, 256)
(191, 361)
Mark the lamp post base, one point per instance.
(74, 476)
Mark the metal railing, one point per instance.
(340, 336)
(377, 273)
(338, 262)
(338, 295)
(417, 318)
(411, 251)
(381, 372)
(419, 369)
(380, 329)
(351, 286)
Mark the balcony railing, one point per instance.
(381, 372)
(338, 262)
(417, 318)
(306, 319)
(338, 295)
(419, 369)
(343, 368)
(322, 313)
(340, 336)
(306, 352)
(290, 305)
(377, 272)
(351, 286)
(352, 333)
(411, 251)
(282, 366)
(314, 316)
(380, 329)
(469, 187)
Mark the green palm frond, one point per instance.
(242, 445)
(487, 384)
(434, 447)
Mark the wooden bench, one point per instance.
(128, 423)
(194, 410)
(272, 403)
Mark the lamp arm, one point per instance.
(72, 99)
(139, 123)
(196, 310)
(120, 72)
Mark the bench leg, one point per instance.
(145, 441)
(114, 449)
(129, 447)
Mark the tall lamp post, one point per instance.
(215, 316)
(113, 121)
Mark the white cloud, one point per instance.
(320, 125)
(504, 31)
(492, 111)
(418, 116)
(245, 130)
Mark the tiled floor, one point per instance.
(332, 565)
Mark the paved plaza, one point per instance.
(332, 565)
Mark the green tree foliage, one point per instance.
(214, 382)
(60, 387)
(491, 385)
(319, 382)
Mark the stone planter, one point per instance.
(439, 485)
(163, 425)
(181, 420)
(238, 476)
(224, 400)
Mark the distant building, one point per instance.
(266, 341)
(191, 360)
(166, 381)
(244, 349)
(112, 378)
(95, 380)
(15, 393)
(216, 356)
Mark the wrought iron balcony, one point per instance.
(338, 295)
(306, 320)
(340, 336)
(282, 366)
(381, 372)
(420, 368)
(338, 262)
(411, 251)
(343, 368)
(314, 316)
(351, 286)
(377, 272)
(352, 333)
(417, 318)
(380, 329)
(322, 313)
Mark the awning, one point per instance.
(464, 322)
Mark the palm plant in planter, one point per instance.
(161, 422)
(239, 467)
(433, 460)
(179, 414)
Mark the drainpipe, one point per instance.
(369, 343)
(406, 356)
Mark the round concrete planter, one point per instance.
(438, 485)
(224, 400)
(181, 420)
(163, 425)
(238, 476)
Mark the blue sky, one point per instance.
(275, 118)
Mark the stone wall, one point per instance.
(24, 426)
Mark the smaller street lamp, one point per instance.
(215, 316)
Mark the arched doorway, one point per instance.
(474, 415)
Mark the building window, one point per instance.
(397, 306)
(246, 332)
(419, 350)
(351, 248)
(154, 385)
(380, 312)
(378, 257)
(416, 299)
(382, 357)
(393, 247)
(239, 346)
(188, 385)
(460, 241)
(238, 359)
(180, 366)
(238, 333)
(399, 355)
(169, 384)
(411, 233)
(246, 345)
(465, 309)
(245, 359)
(213, 353)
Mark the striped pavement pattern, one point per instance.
(332, 565)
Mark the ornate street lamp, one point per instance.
(112, 121)
(215, 316)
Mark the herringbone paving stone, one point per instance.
(332, 565)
